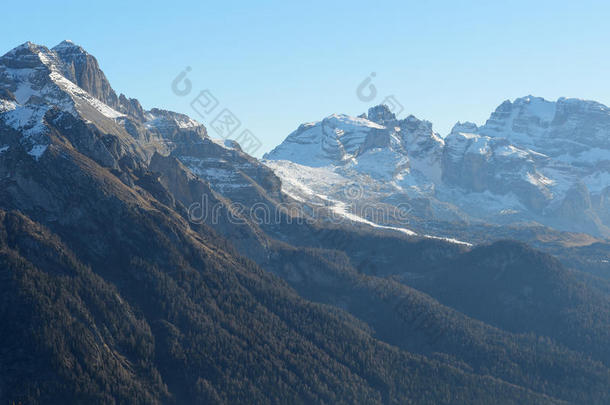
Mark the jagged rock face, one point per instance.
(577, 206)
(105, 150)
(173, 127)
(381, 114)
(480, 163)
(418, 136)
(131, 107)
(211, 207)
(83, 70)
(527, 116)
(563, 129)
(577, 201)
(563, 151)
(587, 122)
(229, 171)
(22, 57)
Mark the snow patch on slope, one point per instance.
(314, 185)
(28, 119)
(81, 95)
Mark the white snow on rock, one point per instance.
(37, 151)
(80, 95)
(165, 120)
(7, 106)
(34, 75)
(28, 119)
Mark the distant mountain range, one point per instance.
(533, 161)
(144, 262)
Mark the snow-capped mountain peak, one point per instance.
(345, 140)
(67, 44)
(35, 79)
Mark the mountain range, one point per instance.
(144, 262)
(533, 161)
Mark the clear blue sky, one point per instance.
(276, 65)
